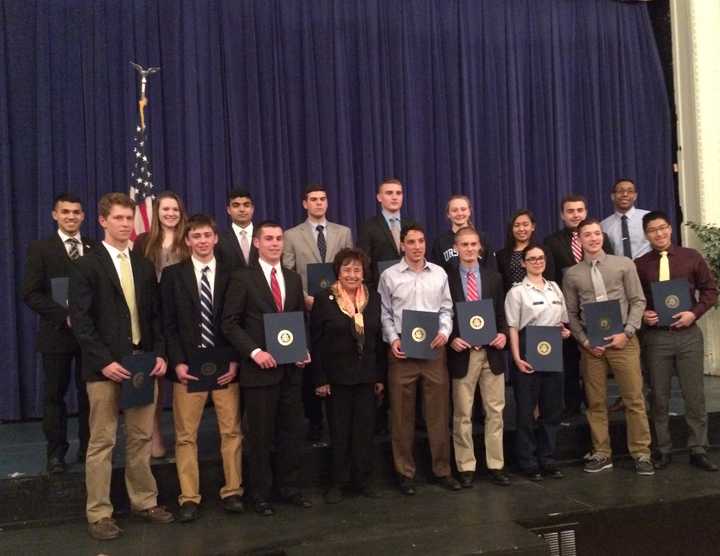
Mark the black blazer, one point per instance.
(229, 253)
(375, 238)
(47, 259)
(491, 288)
(248, 297)
(335, 357)
(503, 265)
(558, 244)
(100, 316)
(181, 311)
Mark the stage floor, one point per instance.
(487, 519)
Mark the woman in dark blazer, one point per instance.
(520, 234)
(349, 366)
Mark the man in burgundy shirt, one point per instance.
(679, 347)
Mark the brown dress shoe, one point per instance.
(104, 530)
(158, 514)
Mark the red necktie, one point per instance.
(472, 293)
(275, 287)
(576, 247)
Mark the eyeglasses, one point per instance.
(539, 259)
(663, 228)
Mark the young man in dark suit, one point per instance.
(272, 393)
(235, 247)
(473, 367)
(566, 251)
(49, 259)
(114, 311)
(379, 237)
(193, 294)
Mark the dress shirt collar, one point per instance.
(388, 215)
(528, 284)
(199, 265)
(248, 228)
(64, 237)
(629, 213)
(670, 250)
(314, 225)
(114, 251)
(267, 267)
(600, 259)
(465, 270)
(405, 266)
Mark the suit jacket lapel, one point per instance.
(221, 280)
(190, 282)
(485, 284)
(138, 281)
(264, 289)
(333, 240)
(109, 267)
(309, 238)
(388, 233)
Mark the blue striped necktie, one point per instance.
(206, 311)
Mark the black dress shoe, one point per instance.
(407, 486)
(189, 511)
(662, 460)
(298, 499)
(552, 472)
(499, 477)
(467, 478)
(55, 466)
(264, 508)
(533, 475)
(233, 504)
(702, 461)
(448, 482)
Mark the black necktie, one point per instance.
(321, 243)
(625, 237)
(207, 333)
(73, 252)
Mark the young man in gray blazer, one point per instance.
(313, 241)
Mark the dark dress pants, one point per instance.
(351, 414)
(535, 446)
(57, 368)
(574, 395)
(274, 413)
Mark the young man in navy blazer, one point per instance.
(114, 311)
(193, 295)
(49, 259)
(272, 393)
(473, 367)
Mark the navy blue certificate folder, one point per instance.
(670, 297)
(476, 321)
(207, 365)
(59, 290)
(602, 319)
(139, 389)
(320, 276)
(419, 328)
(543, 348)
(285, 336)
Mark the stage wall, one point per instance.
(513, 103)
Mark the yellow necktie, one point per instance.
(664, 273)
(128, 287)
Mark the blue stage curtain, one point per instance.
(513, 103)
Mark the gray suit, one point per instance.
(300, 247)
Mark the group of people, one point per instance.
(185, 286)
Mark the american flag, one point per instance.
(141, 185)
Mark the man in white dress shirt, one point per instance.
(624, 226)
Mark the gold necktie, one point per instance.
(664, 273)
(128, 287)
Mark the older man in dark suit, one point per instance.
(51, 261)
(272, 392)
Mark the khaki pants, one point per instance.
(104, 397)
(492, 391)
(187, 413)
(403, 375)
(625, 364)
